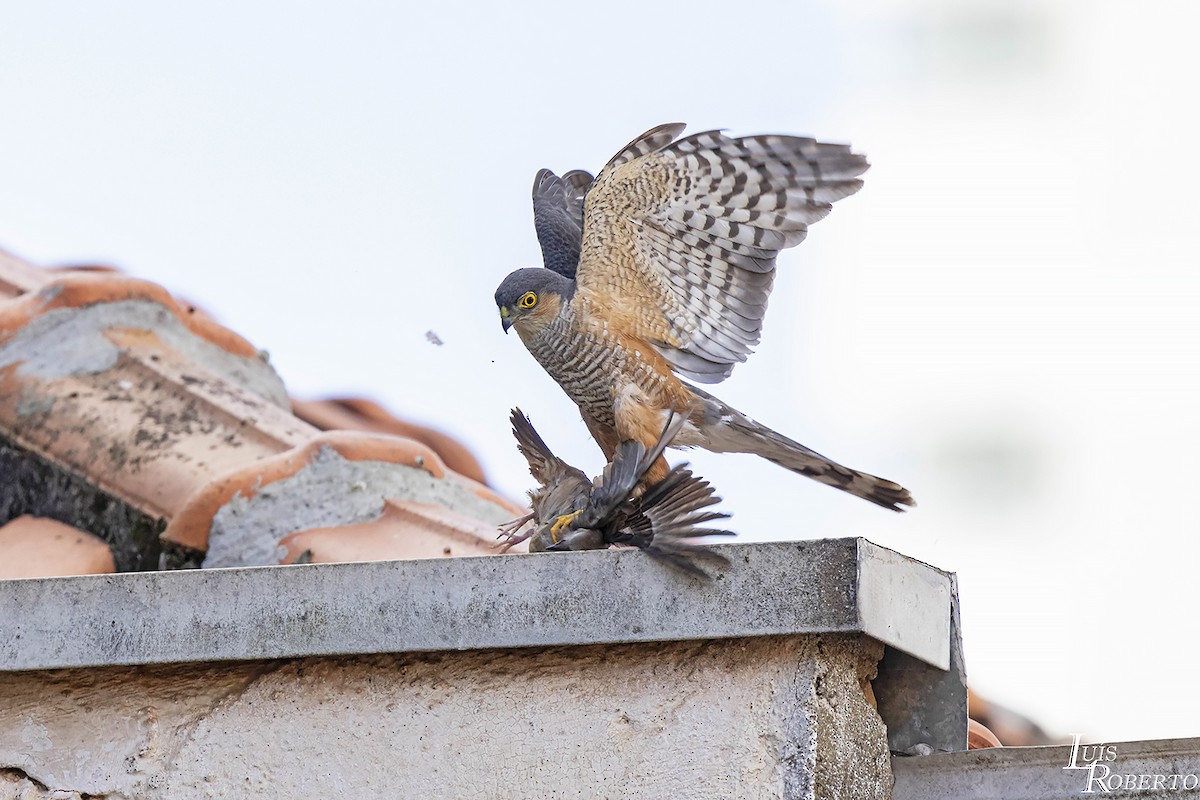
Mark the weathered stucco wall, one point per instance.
(771, 717)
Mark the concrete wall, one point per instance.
(775, 717)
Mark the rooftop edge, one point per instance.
(598, 597)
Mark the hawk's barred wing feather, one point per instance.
(653, 139)
(684, 234)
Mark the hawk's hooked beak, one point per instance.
(506, 320)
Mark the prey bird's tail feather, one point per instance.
(727, 430)
(672, 512)
(674, 424)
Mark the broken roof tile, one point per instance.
(35, 547)
(337, 478)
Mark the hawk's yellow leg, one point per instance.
(563, 521)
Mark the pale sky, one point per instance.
(1003, 320)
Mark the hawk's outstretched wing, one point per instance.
(680, 237)
(558, 217)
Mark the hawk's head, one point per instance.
(530, 298)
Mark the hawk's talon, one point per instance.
(562, 522)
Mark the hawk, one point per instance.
(659, 269)
(610, 511)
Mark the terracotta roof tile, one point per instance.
(979, 737)
(1006, 725)
(359, 414)
(75, 290)
(87, 268)
(192, 310)
(35, 547)
(126, 391)
(18, 277)
(108, 377)
(190, 527)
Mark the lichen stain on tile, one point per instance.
(33, 402)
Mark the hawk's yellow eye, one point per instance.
(528, 300)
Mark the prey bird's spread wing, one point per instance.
(558, 217)
(613, 487)
(546, 468)
(680, 237)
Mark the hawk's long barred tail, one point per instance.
(727, 430)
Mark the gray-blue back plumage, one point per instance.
(558, 218)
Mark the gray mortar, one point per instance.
(329, 491)
(71, 341)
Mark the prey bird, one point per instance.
(610, 510)
(661, 267)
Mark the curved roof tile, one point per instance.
(35, 547)
(399, 532)
(359, 414)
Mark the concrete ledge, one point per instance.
(828, 586)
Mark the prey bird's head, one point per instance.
(530, 298)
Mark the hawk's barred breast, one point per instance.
(592, 365)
